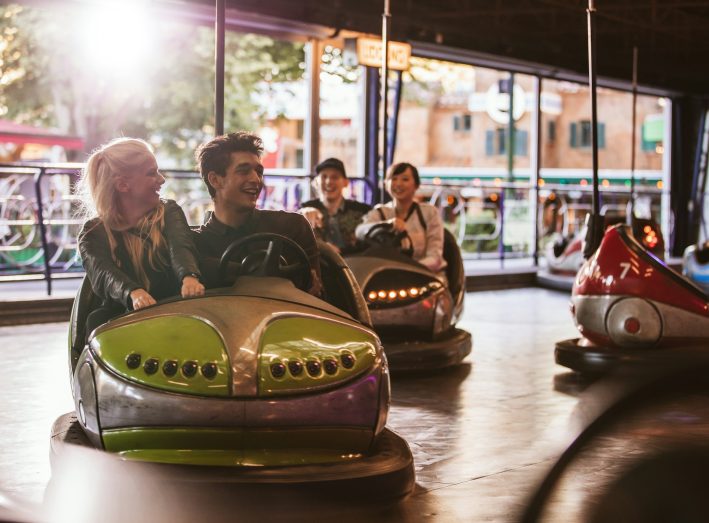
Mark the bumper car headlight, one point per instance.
(176, 353)
(298, 354)
(396, 296)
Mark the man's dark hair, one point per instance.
(215, 155)
(399, 168)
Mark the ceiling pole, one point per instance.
(386, 18)
(219, 37)
(632, 134)
(595, 222)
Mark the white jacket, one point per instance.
(427, 242)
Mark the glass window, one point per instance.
(466, 112)
(341, 109)
(567, 157)
(580, 134)
(89, 80)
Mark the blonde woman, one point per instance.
(136, 248)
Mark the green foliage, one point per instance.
(21, 80)
(333, 63)
(46, 79)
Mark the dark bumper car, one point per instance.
(413, 310)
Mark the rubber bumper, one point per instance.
(425, 355)
(387, 472)
(594, 359)
(557, 282)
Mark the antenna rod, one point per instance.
(386, 18)
(595, 227)
(632, 148)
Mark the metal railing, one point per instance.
(40, 219)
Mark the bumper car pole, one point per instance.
(632, 135)
(595, 221)
(219, 42)
(386, 19)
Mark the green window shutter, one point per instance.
(489, 143)
(501, 141)
(647, 146)
(654, 128)
(572, 135)
(601, 136)
(456, 123)
(551, 131)
(521, 138)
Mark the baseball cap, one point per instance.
(331, 163)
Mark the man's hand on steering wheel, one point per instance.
(267, 254)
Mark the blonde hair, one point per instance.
(97, 187)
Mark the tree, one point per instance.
(51, 75)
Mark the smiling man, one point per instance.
(334, 218)
(231, 168)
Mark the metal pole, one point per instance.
(372, 135)
(632, 134)
(386, 17)
(395, 118)
(219, 36)
(312, 129)
(536, 162)
(508, 191)
(43, 230)
(511, 132)
(595, 227)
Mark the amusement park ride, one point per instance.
(630, 306)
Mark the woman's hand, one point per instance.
(141, 299)
(397, 224)
(191, 287)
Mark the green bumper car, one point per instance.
(258, 382)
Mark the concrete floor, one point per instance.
(483, 435)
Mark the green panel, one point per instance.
(601, 135)
(238, 447)
(573, 139)
(177, 338)
(654, 130)
(489, 143)
(236, 458)
(309, 339)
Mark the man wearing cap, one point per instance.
(334, 218)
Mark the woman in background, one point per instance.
(421, 221)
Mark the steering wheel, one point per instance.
(383, 234)
(268, 254)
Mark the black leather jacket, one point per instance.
(114, 284)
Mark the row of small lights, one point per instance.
(189, 368)
(313, 366)
(402, 294)
(413, 292)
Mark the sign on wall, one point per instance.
(369, 53)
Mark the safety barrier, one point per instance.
(490, 219)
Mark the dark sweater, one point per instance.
(214, 237)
